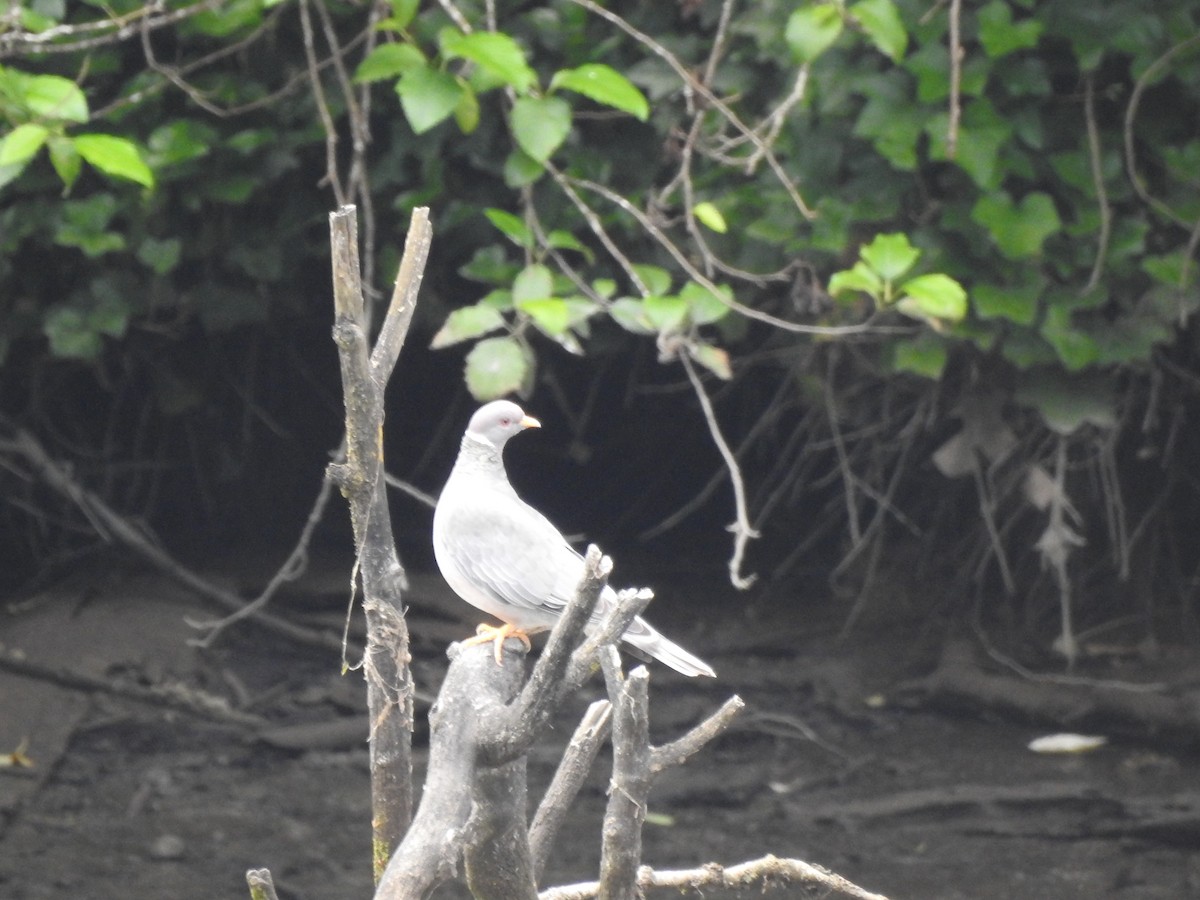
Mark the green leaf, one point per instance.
(160, 256)
(498, 299)
(65, 159)
(428, 97)
(511, 226)
(495, 367)
(540, 125)
(605, 85)
(1068, 402)
(705, 307)
(709, 216)
(712, 358)
(114, 156)
(467, 323)
(604, 287)
(1074, 346)
(494, 51)
(535, 282)
(1015, 303)
(811, 30)
(881, 21)
(55, 97)
(934, 296)
(999, 36)
(550, 314)
(859, 278)
(466, 113)
(665, 313)
(630, 314)
(404, 11)
(564, 240)
(656, 279)
(388, 61)
(924, 355)
(22, 143)
(180, 141)
(1019, 230)
(890, 255)
(520, 169)
(70, 335)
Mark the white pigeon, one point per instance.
(503, 556)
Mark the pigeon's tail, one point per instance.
(643, 636)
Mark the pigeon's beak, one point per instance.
(530, 422)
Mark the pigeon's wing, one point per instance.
(508, 551)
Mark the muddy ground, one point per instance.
(130, 800)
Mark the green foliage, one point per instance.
(588, 195)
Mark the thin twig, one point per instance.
(1095, 155)
(742, 530)
(956, 57)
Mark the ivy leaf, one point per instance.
(1019, 230)
(712, 358)
(665, 313)
(999, 36)
(890, 255)
(859, 278)
(114, 156)
(564, 240)
(709, 216)
(924, 355)
(550, 314)
(494, 51)
(881, 21)
(605, 85)
(404, 11)
(513, 227)
(428, 97)
(388, 61)
(1075, 347)
(161, 256)
(1068, 402)
(1017, 303)
(934, 297)
(467, 323)
(497, 366)
(22, 143)
(811, 30)
(540, 125)
(54, 97)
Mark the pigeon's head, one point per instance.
(499, 420)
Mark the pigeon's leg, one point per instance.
(486, 634)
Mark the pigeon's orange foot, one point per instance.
(486, 634)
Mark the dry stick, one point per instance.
(621, 839)
(568, 779)
(293, 567)
(758, 878)
(742, 530)
(170, 696)
(123, 27)
(1147, 78)
(386, 658)
(692, 85)
(956, 57)
(113, 527)
(331, 139)
(1094, 154)
(261, 885)
(473, 704)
